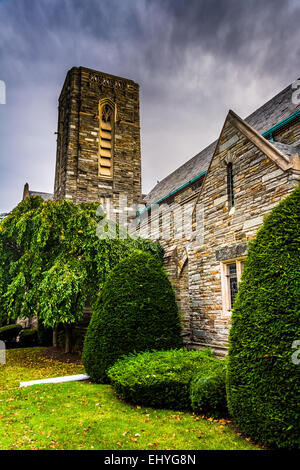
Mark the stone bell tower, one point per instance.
(98, 143)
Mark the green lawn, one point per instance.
(82, 415)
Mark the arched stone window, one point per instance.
(107, 118)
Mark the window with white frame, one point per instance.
(231, 273)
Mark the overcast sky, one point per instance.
(193, 59)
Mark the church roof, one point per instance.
(263, 120)
(287, 150)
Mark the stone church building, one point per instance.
(204, 213)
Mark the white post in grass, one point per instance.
(55, 380)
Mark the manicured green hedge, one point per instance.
(263, 382)
(137, 311)
(77, 338)
(208, 393)
(28, 338)
(160, 379)
(9, 333)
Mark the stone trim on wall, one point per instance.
(231, 252)
(259, 141)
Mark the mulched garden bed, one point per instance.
(59, 355)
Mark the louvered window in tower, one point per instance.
(106, 141)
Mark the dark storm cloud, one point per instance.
(228, 25)
(193, 59)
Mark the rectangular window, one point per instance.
(231, 272)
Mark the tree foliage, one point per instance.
(263, 381)
(51, 259)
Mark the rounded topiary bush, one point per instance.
(263, 382)
(160, 379)
(137, 311)
(208, 392)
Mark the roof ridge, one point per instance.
(271, 112)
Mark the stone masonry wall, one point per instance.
(77, 176)
(193, 260)
(289, 134)
(259, 185)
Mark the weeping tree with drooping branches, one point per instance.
(52, 260)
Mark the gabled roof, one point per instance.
(195, 166)
(274, 152)
(274, 111)
(27, 193)
(285, 156)
(45, 196)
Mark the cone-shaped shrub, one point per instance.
(263, 381)
(137, 311)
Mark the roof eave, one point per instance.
(259, 141)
